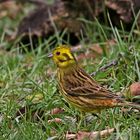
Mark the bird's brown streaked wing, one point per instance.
(79, 83)
(91, 92)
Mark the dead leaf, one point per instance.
(70, 136)
(96, 48)
(132, 91)
(81, 135)
(85, 56)
(135, 89)
(57, 111)
(56, 120)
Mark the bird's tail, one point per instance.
(129, 104)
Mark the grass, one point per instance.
(31, 73)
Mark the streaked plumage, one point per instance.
(78, 88)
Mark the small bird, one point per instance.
(78, 87)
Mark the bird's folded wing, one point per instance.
(91, 92)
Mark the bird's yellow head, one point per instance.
(63, 57)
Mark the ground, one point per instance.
(28, 85)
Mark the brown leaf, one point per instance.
(57, 111)
(85, 56)
(81, 135)
(92, 51)
(135, 89)
(132, 93)
(70, 136)
(96, 48)
(56, 120)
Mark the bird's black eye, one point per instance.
(57, 53)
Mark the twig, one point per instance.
(104, 68)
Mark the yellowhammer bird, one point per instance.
(79, 89)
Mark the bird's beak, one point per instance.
(50, 55)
